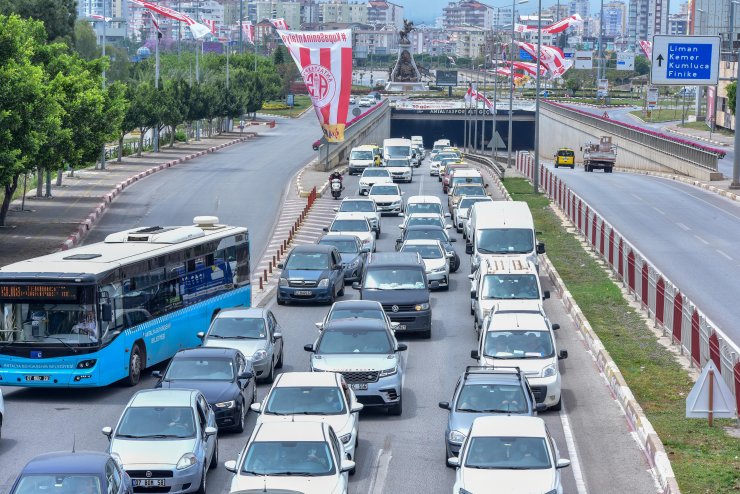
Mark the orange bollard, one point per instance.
(261, 287)
(269, 267)
(265, 274)
(274, 262)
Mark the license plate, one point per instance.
(148, 482)
(303, 292)
(37, 378)
(359, 386)
(401, 326)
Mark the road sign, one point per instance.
(584, 60)
(685, 60)
(625, 60)
(446, 78)
(356, 111)
(602, 89)
(652, 98)
(710, 397)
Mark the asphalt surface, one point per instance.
(396, 454)
(690, 234)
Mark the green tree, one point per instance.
(130, 120)
(119, 64)
(58, 16)
(642, 65)
(86, 42)
(731, 95)
(28, 112)
(175, 105)
(574, 84)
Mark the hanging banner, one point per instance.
(325, 61)
(211, 24)
(551, 58)
(563, 24)
(584, 60)
(100, 18)
(529, 68)
(198, 30)
(279, 23)
(248, 29)
(647, 48)
(625, 60)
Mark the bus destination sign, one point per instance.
(38, 292)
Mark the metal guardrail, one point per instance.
(496, 167)
(687, 151)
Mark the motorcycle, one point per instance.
(336, 188)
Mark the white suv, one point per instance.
(361, 205)
(353, 224)
(388, 198)
(372, 176)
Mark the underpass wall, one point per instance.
(638, 149)
(370, 127)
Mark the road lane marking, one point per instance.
(684, 227)
(704, 201)
(381, 468)
(659, 210)
(575, 465)
(701, 239)
(724, 255)
(636, 197)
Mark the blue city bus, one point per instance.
(104, 312)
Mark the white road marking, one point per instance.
(381, 467)
(701, 239)
(575, 464)
(659, 210)
(724, 255)
(684, 227)
(737, 217)
(636, 197)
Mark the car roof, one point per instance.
(510, 264)
(394, 259)
(425, 215)
(421, 241)
(478, 198)
(517, 320)
(313, 248)
(504, 214)
(508, 426)
(162, 398)
(491, 375)
(356, 304)
(364, 147)
(357, 199)
(351, 238)
(385, 184)
(355, 323)
(291, 431)
(423, 200)
(425, 227)
(466, 172)
(207, 352)
(287, 379)
(350, 215)
(242, 312)
(68, 462)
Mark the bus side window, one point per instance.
(242, 263)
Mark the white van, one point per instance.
(441, 144)
(502, 228)
(399, 149)
(360, 158)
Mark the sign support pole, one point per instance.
(736, 161)
(711, 398)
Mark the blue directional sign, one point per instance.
(524, 56)
(685, 60)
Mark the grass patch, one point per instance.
(705, 460)
(702, 125)
(661, 115)
(301, 102)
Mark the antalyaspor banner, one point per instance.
(528, 67)
(211, 24)
(552, 58)
(555, 28)
(279, 23)
(100, 18)
(325, 61)
(248, 29)
(198, 30)
(647, 48)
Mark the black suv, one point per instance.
(484, 391)
(399, 282)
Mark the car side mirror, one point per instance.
(107, 432)
(308, 347)
(453, 240)
(448, 215)
(444, 405)
(469, 249)
(319, 325)
(563, 355)
(545, 294)
(347, 465)
(475, 354)
(400, 226)
(157, 374)
(365, 250)
(434, 284)
(325, 229)
(210, 431)
(485, 186)
(562, 463)
(280, 265)
(246, 375)
(555, 327)
(336, 210)
(356, 407)
(395, 326)
(256, 407)
(277, 335)
(401, 347)
(447, 227)
(453, 462)
(201, 335)
(230, 466)
(540, 407)
(355, 286)
(540, 247)
(106, 312)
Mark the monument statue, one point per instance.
(408, 26)
(404, 75)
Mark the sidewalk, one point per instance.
(717, 139)
(308, 178)
(61, 222)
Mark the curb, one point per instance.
(687, 180)
(94, 216)
(692, 136)
(320, 189)
(644, 431)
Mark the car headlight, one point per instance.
(186, 461)
(324, 283)
(389, 372)
(549, 371)
(424, 306)
(86, 364)
(355, 263)
(396, 203)
(440, 269)
(456, 437)
(345, 438)
(226, 404)
(283, 282)
(259, 355)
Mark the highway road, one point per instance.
(244, 185)
(690, 234)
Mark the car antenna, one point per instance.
(264, 485)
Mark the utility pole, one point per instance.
(179, 32)
(511, 85)
(601, 42)
(736, 161)
(197, 68)
(536, 180)
(241, 26)
(494, 135)
(155, 137)
(102, 151)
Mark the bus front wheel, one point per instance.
(135, 365)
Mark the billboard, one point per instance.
(652, 98)
(626, 60)
(584, 60)
(446, 78)
(602, 88)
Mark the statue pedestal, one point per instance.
(405, 86)
(405, 75)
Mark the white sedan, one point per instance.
(388, 197)
(436, 260)
(354, 224)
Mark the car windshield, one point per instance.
(469, 190)
(446, 156)
(306, 260)
(375, 172)
(343, 246)
(566, 153)
(426, 251)
(491, 398)
(357, 313)
(384, 190)
(361, 155)
(423, 207)
(342, 341)
(510, 286)
(200, 369)
(518, 344)
(467, 202)
(508, 453)
(505, 241)
(157, 423)
(238, 328)
(424, 220)
(394, 279)
(305, 400)
(58, 484)
(289, 458)
(357, 206)
(350, 226)
(429, 234)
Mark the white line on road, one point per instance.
(684, 227)
(705, 201)
(575, 465)
(723, 254)
(637, 197)
(701, 239)
(659, 210)
(381, 467)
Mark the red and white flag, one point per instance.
(248, 29)
(279, 23)
(471, 94)
(211, 24)
(552, 58)
(100, 18)
(521, 28)
(647, 48)
(563, 24)
(325, 61)
(451, 60)
(198, 30)
(528, 67)
(155, 24)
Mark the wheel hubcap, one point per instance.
(135, 365)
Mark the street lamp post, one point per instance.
(600, 70)
(102, 151)
(197, 68)
(536, 180)
(241, 26)
(736, 161)
(494, 135)
(155, 137)
(511, 79)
